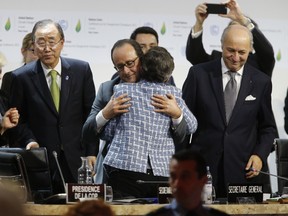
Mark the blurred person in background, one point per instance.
(27, 51)
(263, 55)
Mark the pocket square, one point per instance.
(250, 98)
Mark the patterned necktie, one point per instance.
(230, 95)
(54, 88)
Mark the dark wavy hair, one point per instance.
(192, 155)
(90, 208)
(157, 65)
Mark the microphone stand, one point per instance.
(151, 182)
(267, 173)
(59, 169)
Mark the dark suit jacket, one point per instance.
(4, 138)
(6, 83)
(251, 129)
(175, 209)
(286, 113)
(38, 115)
(263, 58)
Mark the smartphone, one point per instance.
(216, 9)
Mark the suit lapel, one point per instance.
(39, 80)
(217, 86)
(66, 79)
(245, 89)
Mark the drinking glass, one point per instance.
(213, 194)
(109, 194)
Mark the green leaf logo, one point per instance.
(8, 25)
(163, 29)
(78, 26)
(278, 57)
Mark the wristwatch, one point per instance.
(249, 24)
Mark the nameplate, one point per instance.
(80, 192)
(245, 193)
(164, 193)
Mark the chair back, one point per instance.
(37, 166)
(281, 148)
(12, 169)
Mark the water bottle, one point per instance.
(208, 188)
(85, 172)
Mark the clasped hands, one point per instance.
(166, 104)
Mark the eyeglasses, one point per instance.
(30, 49)
(128, 64)
(51, 44)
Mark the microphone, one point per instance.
(59, 169)
(267, 173)
(151, 182)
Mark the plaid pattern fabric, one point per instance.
(143, 133)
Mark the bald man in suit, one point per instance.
(243, 140)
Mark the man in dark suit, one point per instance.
(147, 38)
(126, 55)
(188, 176)
(54, 119)
(242, 140)
(262, 58)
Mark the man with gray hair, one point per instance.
(232, 103)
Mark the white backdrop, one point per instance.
(92, 27)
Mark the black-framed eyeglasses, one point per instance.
(128, 64)
(42, 44)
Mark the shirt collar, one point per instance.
(47, 70)
(225, 69)
(182, 211)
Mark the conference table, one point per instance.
(142, 209)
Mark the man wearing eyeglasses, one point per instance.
(147, 38)
(54, 96)
(126, 57)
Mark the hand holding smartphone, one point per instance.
(216, 9)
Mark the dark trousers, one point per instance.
(124, 183)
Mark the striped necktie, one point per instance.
(230, 95)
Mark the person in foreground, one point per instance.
(141, 140)
(90, 208)
(232, 103)
(10, 204)
(188, 175)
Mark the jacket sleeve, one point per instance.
(89, 132)
(264, 52)
(195, 52)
